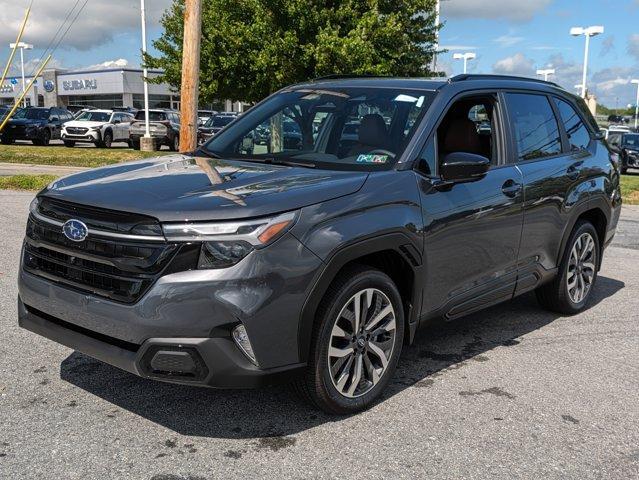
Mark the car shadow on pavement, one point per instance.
(274, 413)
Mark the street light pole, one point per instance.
(22, 46)
(636, 82)
(465, 57)
(145, 144)
(587, 32)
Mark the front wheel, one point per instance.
(356, 342)
(107, 140)
(174, 145)
(570, 290)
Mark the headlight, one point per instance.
(226, 243)
(95, 129)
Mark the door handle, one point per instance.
(574, 170)
(511, 188)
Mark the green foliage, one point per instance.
(251, 48)
(26, 182)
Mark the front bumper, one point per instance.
(221, 364)
(31, 133)
(90, 136)
(191, 311)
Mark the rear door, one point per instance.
(552, 161)
(472, 230)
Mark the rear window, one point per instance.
(153, 116)
(535, 125)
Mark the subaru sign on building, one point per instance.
(106, 88)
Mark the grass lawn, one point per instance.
(77, 157)
(630, 189)
(26, 182)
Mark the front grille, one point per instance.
(77, 130)
(118, 269)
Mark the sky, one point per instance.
(510, 37)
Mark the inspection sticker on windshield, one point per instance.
(368, 158)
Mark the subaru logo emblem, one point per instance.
(75, 230)
(49, 86)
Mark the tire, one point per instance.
(174, 144)
(135, 145)
(624, 170)
(557, 295)
(107, 140)
(46, 138)
(330, 381)
(69, 143)
(6, 140)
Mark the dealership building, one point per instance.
(107, 88)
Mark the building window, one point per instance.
(155, 101)
(98, 101)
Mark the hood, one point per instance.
(185, 188)
(83, 123)
(25, 121)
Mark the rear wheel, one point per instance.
(356, 342)
(6, 140)
(174, 144)
(45, 138)
(570, 290)
(135, 144)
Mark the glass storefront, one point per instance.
(156, 101)
(98, 101)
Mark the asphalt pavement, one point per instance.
(510, 392)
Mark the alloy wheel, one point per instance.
(361, 342)
(581, 268)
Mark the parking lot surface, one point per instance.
(510, 392)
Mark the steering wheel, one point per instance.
(381, 151)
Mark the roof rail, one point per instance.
(338, 76)
(476, 76)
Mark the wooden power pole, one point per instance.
(190, 74)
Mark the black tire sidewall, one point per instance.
(105, 142)
(366, 279)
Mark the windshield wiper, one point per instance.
(288, 163)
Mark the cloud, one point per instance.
(508, 40)
(612, 86)
(119, 63)
(520, 11)
(98, 23)
(517, 64)
(633, 45)
(607, 46)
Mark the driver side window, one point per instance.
(469, 127)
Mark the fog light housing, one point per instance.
(241, 339)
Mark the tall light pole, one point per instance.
(587, 32)
(22, 46)
(636, 82)
(146, 143)
(465, 57)
(436, 36)
(546, 73)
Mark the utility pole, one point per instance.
(190, 75)
(437, 10)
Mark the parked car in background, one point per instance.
(213, 125)
(629, 151)
(40, 125)
(615, 119)
(204, 115)
(4, 110)
(100, 127)
(164, 128)
(239, 267)
(130, 110)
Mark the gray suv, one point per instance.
(404, 201)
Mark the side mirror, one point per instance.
(115, 122)
(54, 119)
(463, 167)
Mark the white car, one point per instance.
(100, 127)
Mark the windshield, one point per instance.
(631, 140)
(219, 121)
(153, 116)
(94, 117)
(349, 128)
(32, 114)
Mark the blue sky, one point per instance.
(510, 37)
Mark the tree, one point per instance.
(251, 48)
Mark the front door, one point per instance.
(472, 230)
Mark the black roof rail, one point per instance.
(338, 76)
(477, 76)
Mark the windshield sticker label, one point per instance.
(368, 158)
